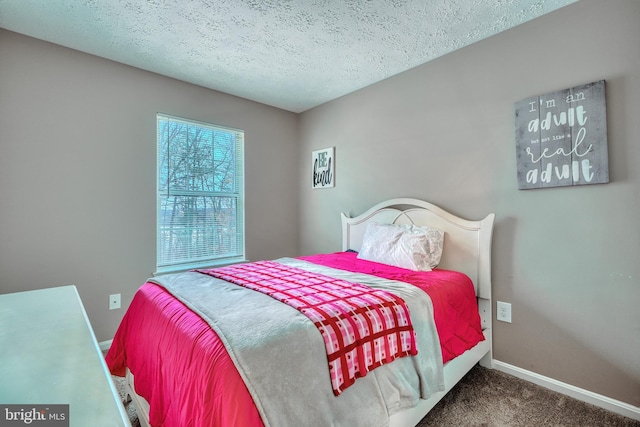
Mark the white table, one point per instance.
(49, 355)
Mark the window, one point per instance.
(200, 220)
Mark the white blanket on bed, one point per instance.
(280, 353)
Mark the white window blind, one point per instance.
(200, 220)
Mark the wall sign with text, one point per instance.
(561, 138)
(323, 168)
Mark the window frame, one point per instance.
(163, 266)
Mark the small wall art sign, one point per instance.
(323, 166)
(561, 138)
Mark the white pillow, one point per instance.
(435, 239)
(406, 246)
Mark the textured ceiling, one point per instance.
(292, 54)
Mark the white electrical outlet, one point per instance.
(504, 311)
(114, 301)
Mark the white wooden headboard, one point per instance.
(467, 244)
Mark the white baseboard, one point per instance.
(583, 395)
(104, 345)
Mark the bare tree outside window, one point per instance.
(200, 194)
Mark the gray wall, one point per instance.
(566, 258)
(77, 171)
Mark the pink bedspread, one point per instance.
(180, 365)
(455, 307)
(183, 370)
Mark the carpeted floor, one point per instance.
(489, 398)
(128, 405)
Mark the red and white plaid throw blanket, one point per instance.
(362, 327)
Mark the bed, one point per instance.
(162, 358)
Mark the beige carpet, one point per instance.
(128, 405)
(489, 398)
